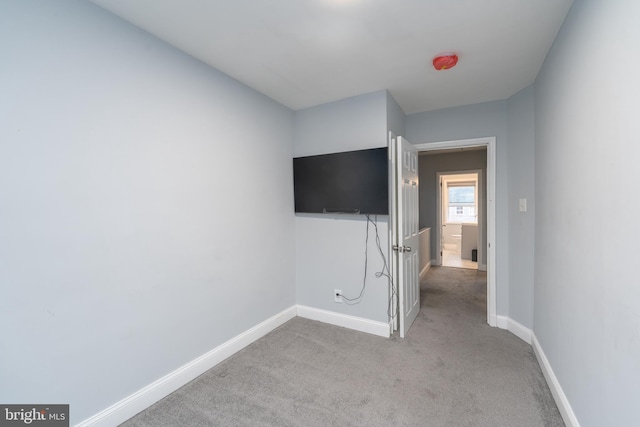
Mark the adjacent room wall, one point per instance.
(475, 121)
(330, 248)
(425, 251)
(586, 311)
(146, 207)
(429, 165)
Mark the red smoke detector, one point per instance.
(444, 62)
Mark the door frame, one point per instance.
(490, 144)
(440, 210)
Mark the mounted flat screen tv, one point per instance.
(355, 182)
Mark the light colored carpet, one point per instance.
(451, 370)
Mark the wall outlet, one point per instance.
(337, 295)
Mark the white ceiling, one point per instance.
(308, 52)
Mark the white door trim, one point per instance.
(490, 143)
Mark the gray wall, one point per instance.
(329, 249)
(429, 165)
(586, 311)
(395, 117)
(476, 121)
(349, 124)
(521, 171)
(136, 184)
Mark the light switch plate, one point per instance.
(523, 205)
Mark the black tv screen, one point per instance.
(350, 182)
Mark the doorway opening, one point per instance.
(459, 203)
(486, 240)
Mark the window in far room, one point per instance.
(462, 203)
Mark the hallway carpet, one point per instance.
(451, 370)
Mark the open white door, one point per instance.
(405, 235)
(393, 232)
(440, 216)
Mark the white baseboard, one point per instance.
(522, 332)
(562, 402)
(344, 320)
(145, 397)
(493, 320)
(482, 267)
(425, 269)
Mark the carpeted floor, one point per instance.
(452, 370)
